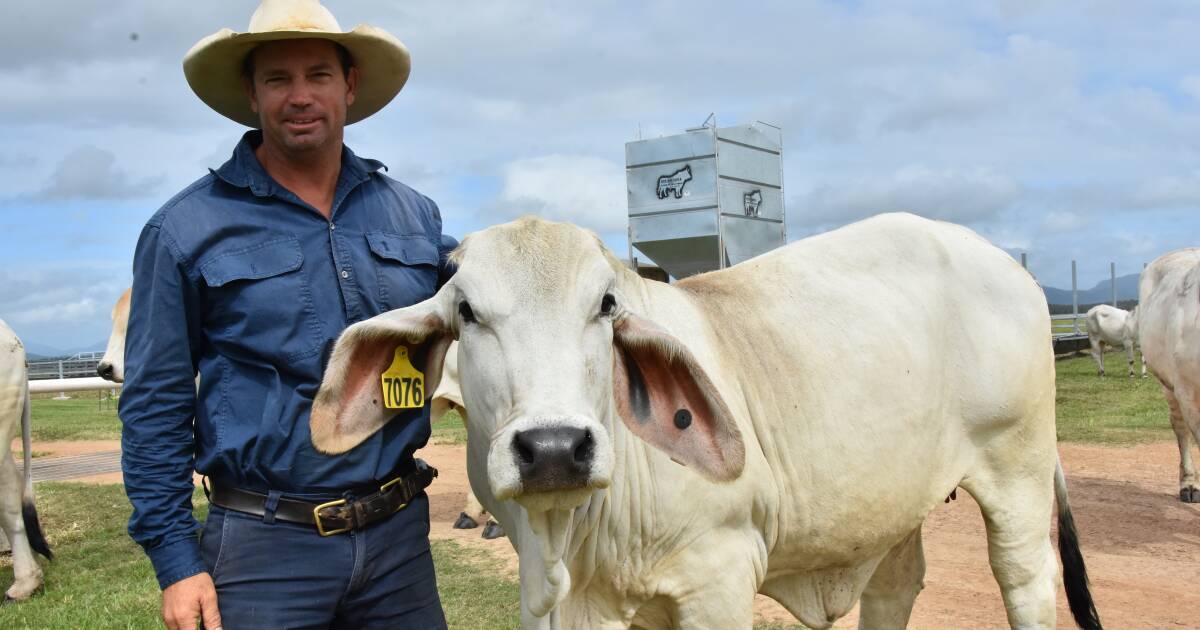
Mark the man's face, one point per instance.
(301, 94)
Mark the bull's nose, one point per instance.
(553, 458)
(105, 371)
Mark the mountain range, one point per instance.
(35, 351)
(1127, 289)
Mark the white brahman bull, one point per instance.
(1169, 331)
(1115, 327)
(18, 516)
(448, 396)
(112, 364)
(657, 454)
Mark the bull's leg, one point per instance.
(1189, 483)
(726, 598)
(888, 599)
(1016, 510)
(1129, 357)
(1097, 353)
(27, 573)
(472, 513)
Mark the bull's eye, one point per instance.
(464, 311)
(608, 305)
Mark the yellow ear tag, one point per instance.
(403, 384)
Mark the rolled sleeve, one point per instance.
(157, 408)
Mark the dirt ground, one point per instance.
(1142, 546)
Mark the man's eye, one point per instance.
(464, 311)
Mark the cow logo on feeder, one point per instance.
(674, 183)
(751, 202)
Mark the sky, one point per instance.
(1065, 130)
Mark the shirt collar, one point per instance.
(243, 169)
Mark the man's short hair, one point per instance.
(344, 58)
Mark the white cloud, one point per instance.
(955, 195)
(92, 173)
(61, 305)
(585, 190)
(1169, 190)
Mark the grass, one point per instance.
(101, 579)
(82, 419)
(1115, 410)
(75, 419)
(449, 430)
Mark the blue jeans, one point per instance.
(285, 575)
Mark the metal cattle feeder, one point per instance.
(707, 198)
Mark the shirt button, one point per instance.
(345, 274)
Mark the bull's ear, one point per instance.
(349, 407)
(664, 396)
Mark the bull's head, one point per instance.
(549, 357)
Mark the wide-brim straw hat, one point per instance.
(213, 66)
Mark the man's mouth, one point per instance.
(302, 124)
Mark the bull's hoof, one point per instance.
(465, 522)
(1190, 494)
(493, 530)
(10, 600)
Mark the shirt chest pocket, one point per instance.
(406, 268)
(259, 303)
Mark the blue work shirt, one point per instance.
(241, 282)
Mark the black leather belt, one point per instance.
(330, 517)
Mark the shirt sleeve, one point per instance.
(446, 245)
(157, 408)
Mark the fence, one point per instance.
(80, 365)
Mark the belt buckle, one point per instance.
(389, 484)
(317, 518)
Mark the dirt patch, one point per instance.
(70, 447)
(1141, 544)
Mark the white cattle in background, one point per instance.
(112, 364)
(1169, 331)
(1116, 328)
(657, 454)
(448, 397)
(18, 516)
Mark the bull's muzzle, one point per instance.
(553, 458)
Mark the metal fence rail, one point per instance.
(79, 366)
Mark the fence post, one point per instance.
(1112, 272)
(1074, 298)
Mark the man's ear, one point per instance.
(665, 398)
(349, 406)
(248, 88)
(351, 85)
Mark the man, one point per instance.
(245, 279)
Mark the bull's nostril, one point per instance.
(524, 450)
(583, 452)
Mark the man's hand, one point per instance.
(188, 599)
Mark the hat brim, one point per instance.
(213, 68)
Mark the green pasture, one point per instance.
(101, 579)
(84, 417)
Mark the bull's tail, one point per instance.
(33, 529)
(1075, 579)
